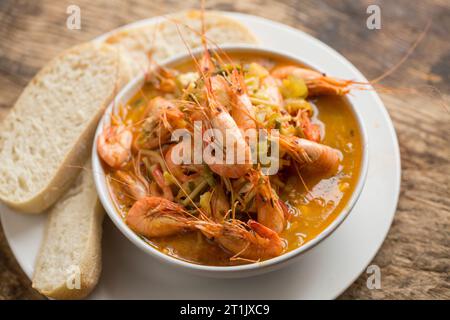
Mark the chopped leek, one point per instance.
(198, 189)
(208, 176)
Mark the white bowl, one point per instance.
(219, 271)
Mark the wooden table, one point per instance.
(415, 258)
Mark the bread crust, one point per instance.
(73, 160)
(79, 203)
(137, 41)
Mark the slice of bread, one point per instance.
(163, 40)
(69, 262)
(48, 134)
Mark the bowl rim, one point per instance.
(134, 85)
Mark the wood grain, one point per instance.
(415, 258)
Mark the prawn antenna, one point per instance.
(405, 57)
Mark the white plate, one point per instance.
(322, 273)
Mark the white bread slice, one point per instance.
(71, 250)
(48, 134)
(163, 40)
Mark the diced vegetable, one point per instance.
(257, 70)
(293, 87)
(289, 130)
(227, 69)
(170, 179)
(205, 201)
(294, 105)
(252, 83)
(263, 101)
(185, 79)
(275, 120)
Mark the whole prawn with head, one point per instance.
(228, 152)
(162, 116)
(271, 211)
(137, 187)
(154, 217)
(114, 145)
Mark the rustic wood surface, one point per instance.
(415, 258)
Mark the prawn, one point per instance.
(181, 172)
(311, 131)
(317, 83)
(252, 241)
(114, 146)
(219, 204)
(221, 90)
(161, 118)
(158, 217)
(242, 109)
(222, 120)
(162, 79)
(154, 217)
(227, 126)
(136, 188)
(314, 158)
(272, 92)
(157, 175)
(271, 210)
